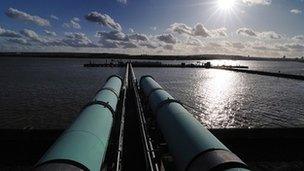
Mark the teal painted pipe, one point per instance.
(191, 144)
(84, 144)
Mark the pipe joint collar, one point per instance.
(102, 103)
(216, 159)
(167, 101)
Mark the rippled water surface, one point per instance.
(229, 99)
(48, 93)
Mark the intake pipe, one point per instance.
(83, 146)
(192, 146)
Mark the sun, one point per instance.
(226, 4)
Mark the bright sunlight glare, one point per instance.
(226, 4)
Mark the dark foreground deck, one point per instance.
(261, 149)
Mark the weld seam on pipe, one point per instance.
(159, 88)
(102, 103)
(164, 102)
(110, 89)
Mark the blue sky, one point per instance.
(244, 27)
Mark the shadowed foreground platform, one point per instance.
(261, 149)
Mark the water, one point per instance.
(49, 93)
(46, 93)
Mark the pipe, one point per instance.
(83, 146)
(191, 144)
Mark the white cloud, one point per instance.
(54, 17)
(257, 2)
(198, 30)
(246, 32)
(32, 35)
(194, 42)
(167, 38)
(50, 33)
(168, 47)
(298, 38)
(113, 35)
(153, 28)
(20, 41)
(295, 46)
(8, 33)
(73, 23)
(138, 37)
(122, 1)
(218, 32)
(103, 19)
(19, 15)
(269, 35)
(131, 30)
(76, 19)
(262, 35)
(296, 11)
(181, 28)
(77, 40)
(118, 39)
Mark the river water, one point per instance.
(45, 93)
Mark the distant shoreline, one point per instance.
(141, 57)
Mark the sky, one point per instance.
(264, 28)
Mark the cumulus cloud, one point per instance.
(76, 19)
(103, 19)
(246, 31)
(50, 33)
(257, 2)
(54, 17)
(251, 33)
(116, 39)
(113, 35)
(238, 45)
(8, 33)
(181, 28)
(22, 16)
(168, 47)
(296, 11)
(131, 30)
(269, 35)
(138, 37)
(198, 30)
(194, 42)
(167, 38)
(77, 40)
(122, 1)
(32, 35)
(298, 38)
(20, 41)
(219, 32)
(295, 46)
(73, 23)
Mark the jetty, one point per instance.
(207, 65)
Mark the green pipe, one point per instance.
(191, 144)
(84, 144)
